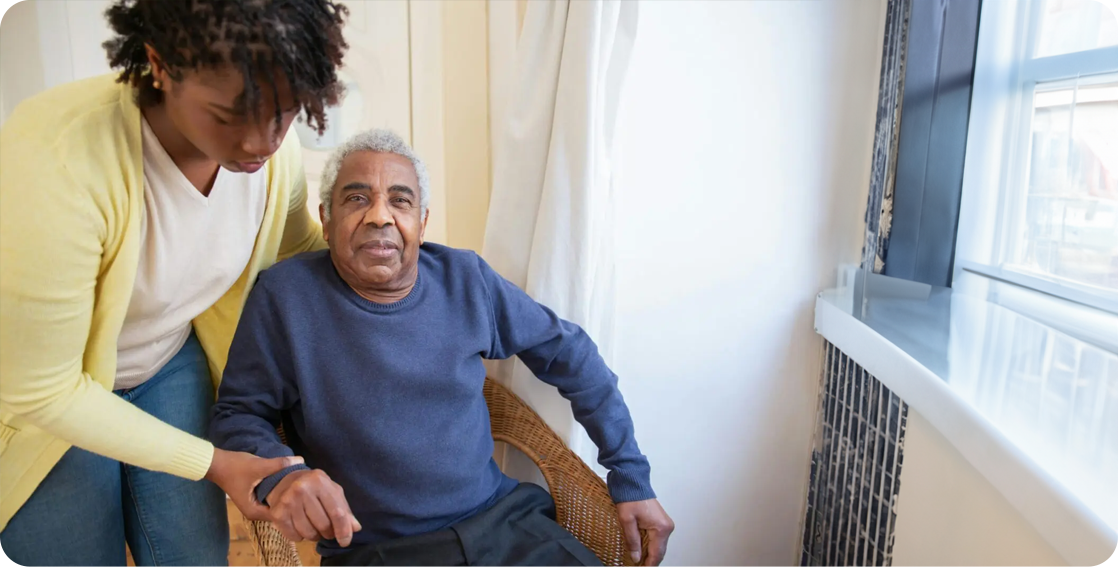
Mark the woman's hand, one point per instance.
(238, 474)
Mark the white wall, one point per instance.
(21, 70)
(949, 514)
(70, 36)
(44, 44)
(746, 135)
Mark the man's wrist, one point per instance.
(630, 485)
(271, 482)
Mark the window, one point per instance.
(1040, 204)
(1068, 26)
(1069, 227)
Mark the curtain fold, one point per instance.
(550, 224)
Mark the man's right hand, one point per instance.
(308, 505)
(238, 474)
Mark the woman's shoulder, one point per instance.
(82, 139)
(71, 111)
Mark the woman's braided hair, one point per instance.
(300, 38)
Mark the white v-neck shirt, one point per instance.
(192, 250)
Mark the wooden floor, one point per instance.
(240, 548)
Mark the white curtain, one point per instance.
(550, 225)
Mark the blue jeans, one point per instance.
(89, 506)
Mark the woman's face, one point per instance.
(207, 107)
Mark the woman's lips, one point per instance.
(250, 166)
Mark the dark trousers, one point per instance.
(519, 529)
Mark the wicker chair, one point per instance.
(582, 501)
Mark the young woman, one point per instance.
(135, 212)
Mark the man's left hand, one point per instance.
(646, 515)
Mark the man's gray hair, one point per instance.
(377, 140)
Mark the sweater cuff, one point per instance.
(192, 460)
(631, 485)
(269, 483)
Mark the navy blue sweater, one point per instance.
(387, 398)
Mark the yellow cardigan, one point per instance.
(71, 204)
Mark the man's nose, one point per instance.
(378, 214)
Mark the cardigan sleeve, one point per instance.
(53, 253)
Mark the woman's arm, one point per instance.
(52, 233)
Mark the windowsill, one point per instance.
(999, 386)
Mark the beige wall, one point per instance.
(949, 514)
(466, 111)
(450, 115)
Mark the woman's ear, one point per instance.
(158, 71)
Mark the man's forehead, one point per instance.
(371, 162)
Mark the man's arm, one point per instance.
(563, 355)
(560, 353)
(256, 388)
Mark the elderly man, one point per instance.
(371, 357)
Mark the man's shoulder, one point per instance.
(448, 258)
(296, 273)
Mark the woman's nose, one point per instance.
(262, 141)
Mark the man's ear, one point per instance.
(423, 225)
(325, 223)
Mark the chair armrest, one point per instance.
(582, 501)
(271, 547)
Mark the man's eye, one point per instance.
(401, 200)
(355, 198)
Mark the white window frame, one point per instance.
(998, 148)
